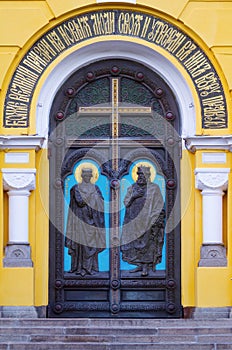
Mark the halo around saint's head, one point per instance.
(146, 164)
(86, 165)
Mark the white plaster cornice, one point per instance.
(211, 178)
(195, 143)
(21, 142)
(18, 179)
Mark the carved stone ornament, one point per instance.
(213, 255)
(211, 178)
(17, 255)
(19, 179)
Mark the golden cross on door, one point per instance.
(115, 109)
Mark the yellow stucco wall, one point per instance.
(208, 19)
(208, 22)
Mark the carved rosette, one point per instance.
(18, 179)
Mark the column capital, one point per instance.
(18, 179)
(211, 178)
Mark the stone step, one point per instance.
(115, 334)
(109, 322)
(157, 331)
(144, 339)
(144, 323)
(118, 346)
(134, 339)
(116, 331)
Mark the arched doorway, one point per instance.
(115, 119)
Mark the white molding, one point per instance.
(18, 183)
(17, 157)
(116, 49)
(21, 142)
(212, 179)
(212, 182)
(195, 143)
(18, 179)
(213, 158)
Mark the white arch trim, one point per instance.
(116, 49)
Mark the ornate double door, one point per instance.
(114, 156)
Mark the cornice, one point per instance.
(21, 142)
(195, 143)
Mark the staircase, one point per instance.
(116, 334)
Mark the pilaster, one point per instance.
(18, 183)
(212, 182)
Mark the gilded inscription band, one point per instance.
(116, 22)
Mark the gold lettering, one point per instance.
(86, 27)
(56, 41)
(162, 33)
(168, 37)
(214, 111)
(16, 114)
(213, 101)
(212, 88)
(129, 24)
(153, 33)
(73, 31)
(145, 27)
(198, 59)
(65, 33)
(26, 86)
(210, 122)
(27, 73)
(13, 108)
(35, 62)
(81, 32)
(217, 111)
(185, 50)
(97, 24)
(174, 41)
(15, 123)
(24, 81)
(44, 50)
(22, 84)
(18, 95)
(110, 22)
(103, 23)
(198, 70)
(208, 84)
(32, 65)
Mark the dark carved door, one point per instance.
(114, 156)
